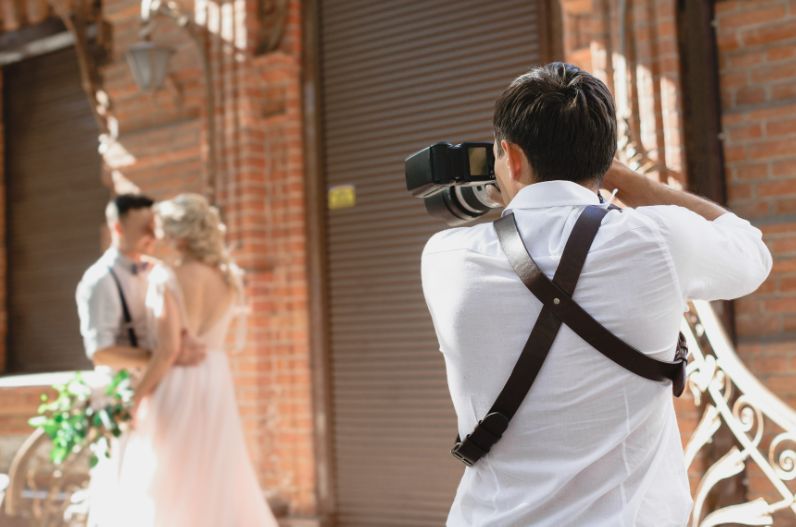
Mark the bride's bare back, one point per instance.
(207, 296)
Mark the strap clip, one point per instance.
(681, 358)
(476, 445)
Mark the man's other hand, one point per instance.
(192, 352)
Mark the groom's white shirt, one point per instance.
(99, 306)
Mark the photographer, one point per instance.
(592, 443)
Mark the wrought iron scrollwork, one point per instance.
(43, 494)
(763, 428)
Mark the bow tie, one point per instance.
(139, 267)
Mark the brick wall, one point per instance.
(260, 190)
(757, 48)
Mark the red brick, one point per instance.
(783, 92)
(783, 127)
(782, 384)
(787, 284)
(769, 112)
(788, 326)
(746, 19)
(777, 188)
(738, 192)
(780, 305)
(766, 74)
(784, 206)
(733, 79)
(723, 8)
(743, 58)
(784, 265)
(771, 149)
(728, 41)
(748, 131)
(782, 246)
(770, 34)
(757, 325)
(734, 153)
(781, 53)
(749, 305)
(784, 168)
(750, 95)
(774, 362)
(778, 228)
(750, 172)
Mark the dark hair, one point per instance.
(564, 120)
(119, 206)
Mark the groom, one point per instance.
(111, 295)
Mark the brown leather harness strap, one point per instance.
(557, 307)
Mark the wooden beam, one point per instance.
(699, 76)
(701, 96)
(14, 41)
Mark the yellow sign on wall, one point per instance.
(342, 197)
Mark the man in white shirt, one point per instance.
(108, 339)
(592, 443)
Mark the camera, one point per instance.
(453, 180)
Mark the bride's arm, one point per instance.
(168, 334)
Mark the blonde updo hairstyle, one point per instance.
(196, 227)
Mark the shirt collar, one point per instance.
(552, 194)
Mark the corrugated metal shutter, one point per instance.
(54, 210)
(398, 76)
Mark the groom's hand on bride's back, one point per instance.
(192, 352)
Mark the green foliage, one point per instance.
(80, 416)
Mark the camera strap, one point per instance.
(557, 308)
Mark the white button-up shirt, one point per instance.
(592, 444)
(100, 308)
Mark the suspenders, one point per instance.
(557, 308)
(128, 320)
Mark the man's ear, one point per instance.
(116, 227)
(515, 159)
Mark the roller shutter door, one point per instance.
(54, 212)
(396, 77)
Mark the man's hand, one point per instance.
(633, 188)
(637, 190)
(192, 352)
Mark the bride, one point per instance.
(185, 462)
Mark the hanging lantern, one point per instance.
(149, 63)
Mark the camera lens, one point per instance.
(458, 205)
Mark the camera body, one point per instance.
(453, 180)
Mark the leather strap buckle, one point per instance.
(678, 383)
(467, 452)
(476, 445)
(680, 357)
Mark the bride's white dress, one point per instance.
(185, 464)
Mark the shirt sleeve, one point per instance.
(100, 312)
(714, 260)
